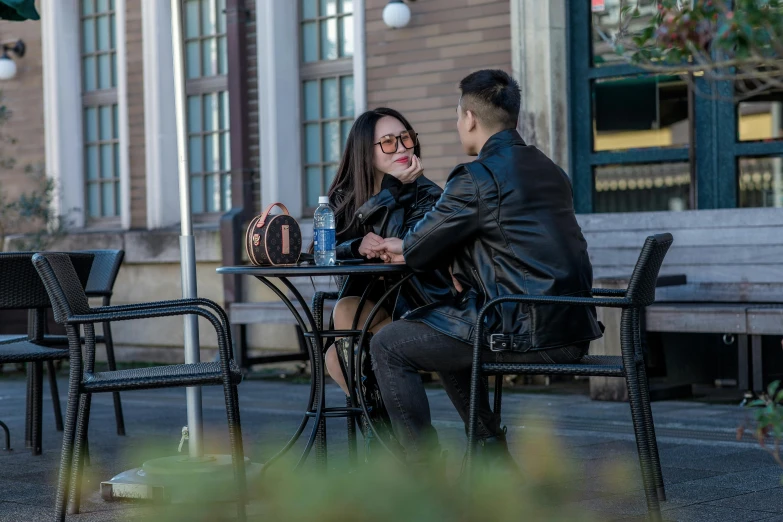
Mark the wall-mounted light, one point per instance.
(396, 14)
(7, 65)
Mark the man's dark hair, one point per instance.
(493, 96)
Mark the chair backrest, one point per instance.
(20, 285)
(62, 285)
(641, 288)
(104, 272)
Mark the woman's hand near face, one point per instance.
(410, 174)
(369, 246)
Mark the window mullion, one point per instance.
(319, 71)
(208, 85)
(94, 57)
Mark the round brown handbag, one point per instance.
(273, 240)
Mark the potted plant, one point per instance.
(768, 421)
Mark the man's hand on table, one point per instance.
(392, 258)
(390, 250)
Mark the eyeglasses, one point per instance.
(388, 143)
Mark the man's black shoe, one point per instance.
(492, 455)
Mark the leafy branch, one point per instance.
(32, 212)
(739, 42)
(35, 212)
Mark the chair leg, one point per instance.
(66, 456)
(352, 450)
(321, 444)
(82, 425)
(237, 449)
(320, 394)
(644, 392)
(28, 414)
(87, 450)
(650, 433)
(498, 394)
(637, 416)
(109, 342)
(475, 392)
(37, 407)
(7, 437)
(58, 412)
(643, 449)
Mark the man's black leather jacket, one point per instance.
(507, 221)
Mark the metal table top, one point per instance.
(313, 270)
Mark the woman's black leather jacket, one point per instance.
(392, 213)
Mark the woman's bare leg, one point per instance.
(344, 312)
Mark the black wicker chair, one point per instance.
(639, 294)
(105, 267)
(72, 309)
(21, 288)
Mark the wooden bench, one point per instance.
(745, 321)
(733, 261)
(276, 312)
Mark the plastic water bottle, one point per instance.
(324, 233)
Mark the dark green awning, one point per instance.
(18, 10)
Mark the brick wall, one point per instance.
(136, 152)
(23, 96)
(416, 69)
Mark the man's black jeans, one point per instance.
(403, 348)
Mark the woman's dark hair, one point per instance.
(355, 178)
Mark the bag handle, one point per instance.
(265, 215)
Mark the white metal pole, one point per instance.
(187, 242)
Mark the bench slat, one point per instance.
(272, 312)
(765, 321)
(696, 318)
(675, 221)
(722, 292)
(687, 255)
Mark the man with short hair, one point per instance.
(505, 224)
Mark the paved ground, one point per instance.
(709, 475)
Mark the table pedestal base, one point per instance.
(181, 479)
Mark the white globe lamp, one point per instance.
(7, 67)
(396, 14)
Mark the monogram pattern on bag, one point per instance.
(265, 245)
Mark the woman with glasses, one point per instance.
(379, 192)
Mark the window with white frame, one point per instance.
(326, 72)
(100, 114)
(206, 69)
